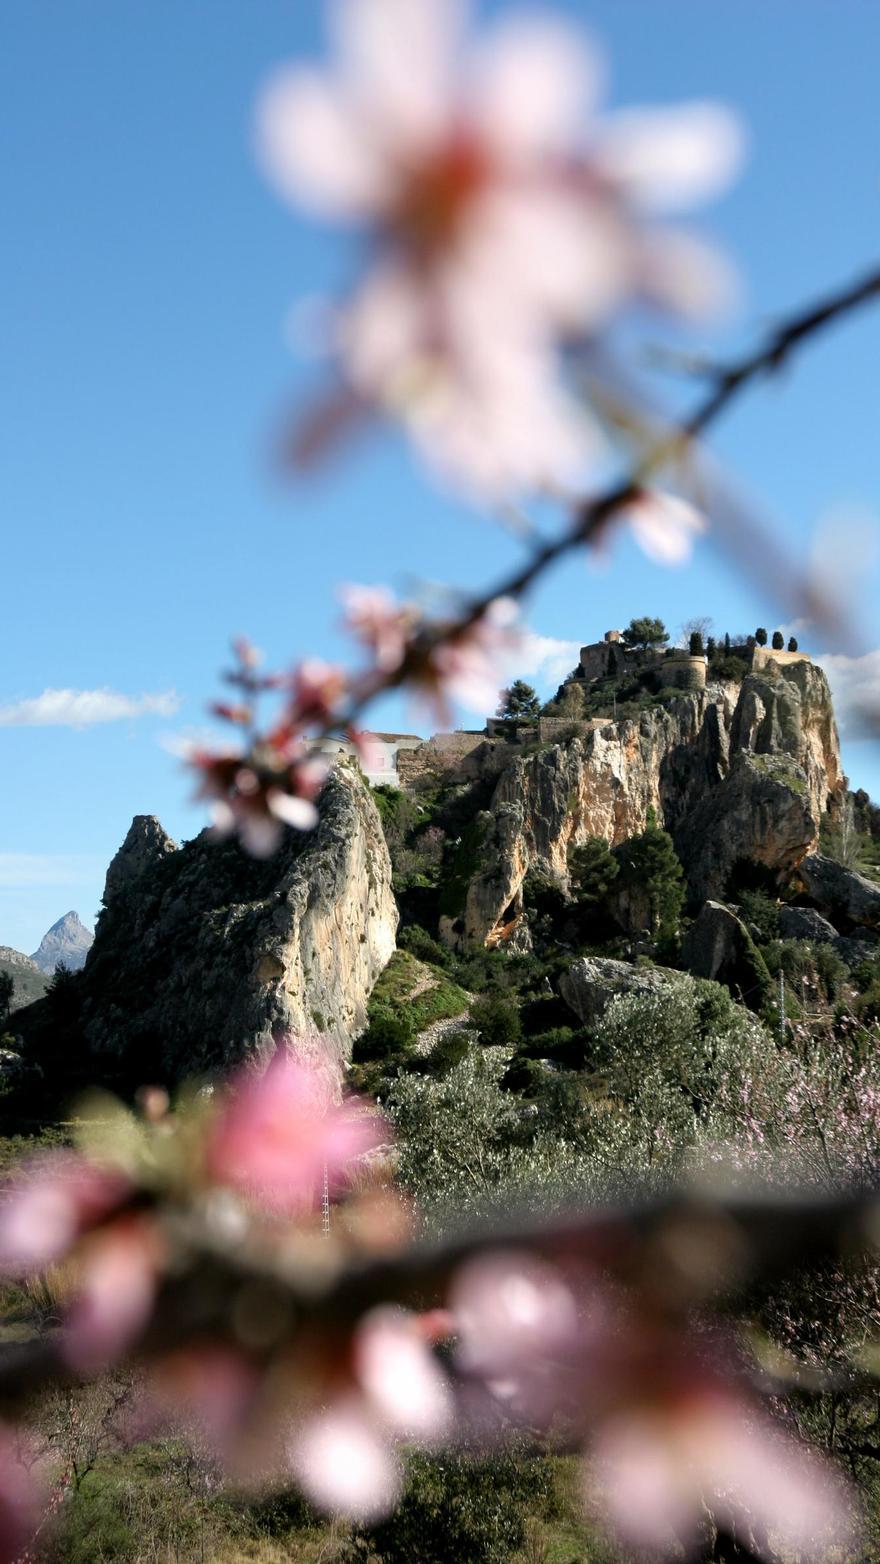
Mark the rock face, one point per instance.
(68, 941)
(146, 844)
(806, 923)
(842, 893)
(202, 956)
(734, 773)
(591, 983)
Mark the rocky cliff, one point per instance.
(68, 942)
(735, 773)
(203, 955)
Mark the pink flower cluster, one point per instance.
(274, 778)
(505, 220)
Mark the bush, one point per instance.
(497, 1020)
(388, 1038)
(446, 1054)
(759, 908)
(419, 943)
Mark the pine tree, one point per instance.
(778, 640)
(520, 702)
(792, 643)
(695, 644)
(593, 869)
(649, 863)
(645, 634)
(761, 636)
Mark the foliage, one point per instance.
(497, 1021)
(645, 634)
(792, 643)
(593, 870)
(778, 641)
(761, 636)
(7, 990)
(649, 865)
(695, 644)
(761, 910)
(520, 702)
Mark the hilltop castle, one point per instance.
(400, 758)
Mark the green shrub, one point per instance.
(759, 908)
(419, 943)
(497, 1020)
(388, 1038)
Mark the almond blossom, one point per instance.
(504, 217)
(344, 1455)
(665, 526)
(279, 1131)
(660, 1470)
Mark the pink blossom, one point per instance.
(277, 1131)
(119, 1272)
(20, 1500)
(401, 1378)
(256, 795)
(379, 622)
(659, 1469)
(504, 219)
(344, 1463)
(49, 1205)
(469, 667)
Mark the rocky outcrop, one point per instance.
(719, 946)
(146, 844)
(806, 923)
(203, 955)
(734, 773)
(591, 983)
(840, 892)
(68, 942)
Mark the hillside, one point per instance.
(30, 982)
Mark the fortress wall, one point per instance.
(469, 755)
(762, 655)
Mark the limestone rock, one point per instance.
(591, 983)
(145, 845)
(806, 923)
(841, 892)
(734, 773)
(719, 946)
(68, 941)
(760, 814)
(203, 956)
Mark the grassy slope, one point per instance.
(417, 992)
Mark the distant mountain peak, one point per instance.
(68, 941)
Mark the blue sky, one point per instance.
(147, 272)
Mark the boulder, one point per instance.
(719, 946)
(806, 923)
(591, 983)
(841, 892)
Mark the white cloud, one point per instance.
(21, 870)
(546, 658)
(84, 708)
(855, 686)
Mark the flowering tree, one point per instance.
(504, 229)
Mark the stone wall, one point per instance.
(468, 755)
(762, 655)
